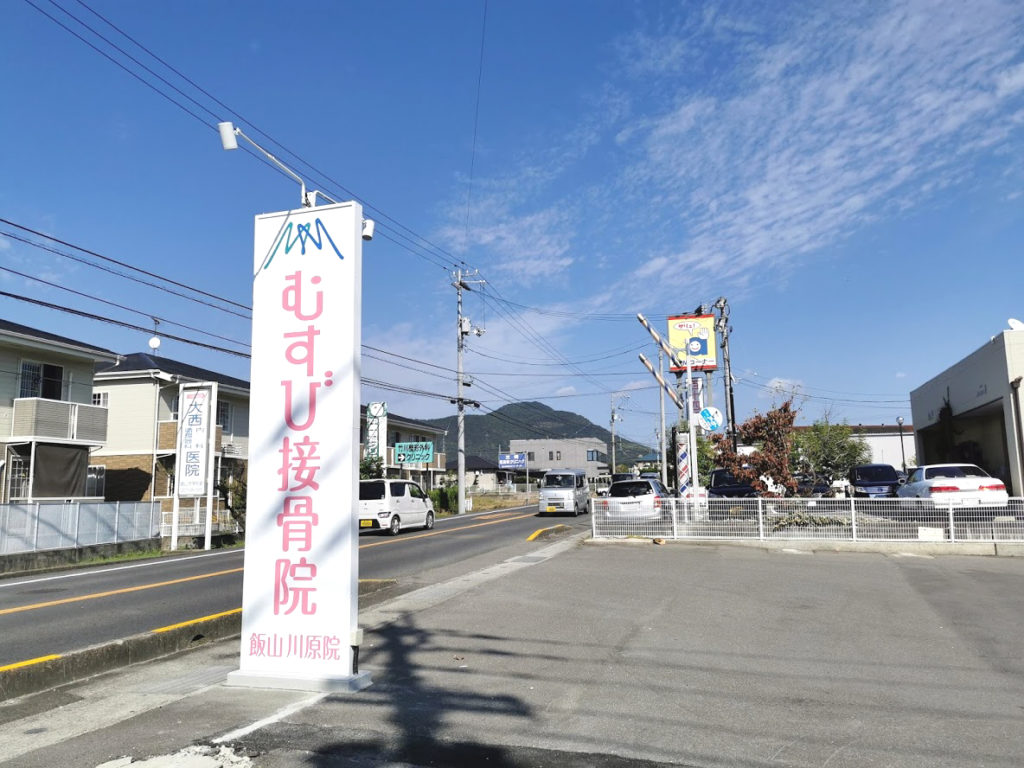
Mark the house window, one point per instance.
(551, 455)
(42, 380)
(20, 470)
(174, 409)
(224, 415)
(101, 399)
(558, 455)
(529, 456)
(592, 455)
(96, 481)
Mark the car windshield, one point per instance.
(371, 491)
(882, 473)
(559, 481)
(631, 488)
(722, 477)
(954, 471)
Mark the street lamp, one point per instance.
(903, 455)
(229, 135)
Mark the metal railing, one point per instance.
(800, 518)
(61, 419)
(61, 525)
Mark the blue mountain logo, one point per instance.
(314, 234)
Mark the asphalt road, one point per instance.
(60, 612)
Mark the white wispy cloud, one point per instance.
(820, 125)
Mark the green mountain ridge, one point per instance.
(489, 434)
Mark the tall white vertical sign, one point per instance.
(376, 430)
(195, 428)
(195, 461)
(299, 595)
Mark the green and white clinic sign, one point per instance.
(414, 453)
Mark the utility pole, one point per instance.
(722, 326)
(612, 401)
(464, 327)
(615, 417)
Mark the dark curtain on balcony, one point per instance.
(60, 471)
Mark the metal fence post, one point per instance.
(78, 521)
(675, 519)
(117, 515)
(853, 517)
(35, 531)
(952, 532)
(760, 519)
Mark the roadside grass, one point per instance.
(147, 554)
(493, 502)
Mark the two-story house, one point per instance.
(401, 429)
(141, 392)
(49, 420)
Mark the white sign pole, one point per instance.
(300, 591)
(211, 467)
(692, 426)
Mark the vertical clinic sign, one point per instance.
(376, 430)
(195, 430)
(299, 595)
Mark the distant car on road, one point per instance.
(722, 484)
(873, 481)
(813, 486)
(392, 505)
(961, 484)
(640, 498)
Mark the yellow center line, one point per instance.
(438, 533)
(30, 662)
(123, 591)
(493, 515)
(127, 590)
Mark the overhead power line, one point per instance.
(111, 321)
(80, 260)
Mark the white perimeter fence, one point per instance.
(60, 525)
(800, 518)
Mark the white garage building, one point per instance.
(971, 412)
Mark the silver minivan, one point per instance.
(564, 490)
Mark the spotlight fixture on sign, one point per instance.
(229, 134)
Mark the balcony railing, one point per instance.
(37, 417)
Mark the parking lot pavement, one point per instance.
(614, 655)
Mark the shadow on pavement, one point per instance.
(417, 713)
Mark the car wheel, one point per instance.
(396, 525)
(429, 523)
(576, 510)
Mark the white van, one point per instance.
(393, 505)
(564, 490)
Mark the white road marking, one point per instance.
(94, 571)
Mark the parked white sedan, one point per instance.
(961, 484)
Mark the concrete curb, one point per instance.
(922, 548)
(546, 533)
(97, 659)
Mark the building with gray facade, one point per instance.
(587, 453)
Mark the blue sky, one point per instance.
(849, 176)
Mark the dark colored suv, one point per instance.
(724, 485)
(873, 481)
